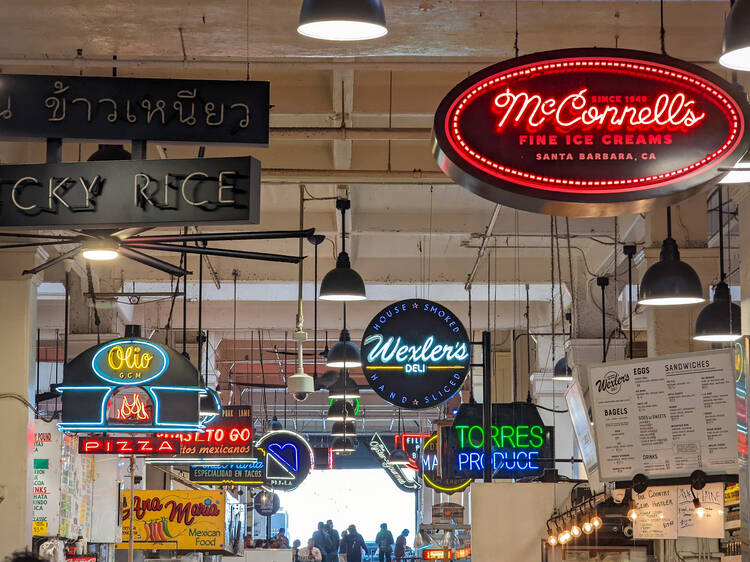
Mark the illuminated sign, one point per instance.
(521, 445)
(429, 468)
(288, 459)
(589, 132)
(224, 437)
(411, 443)
(249, 473)
(266, 503)
(415, 354)
(130, 385)
(398, 475)
(175, 520)
(129, 362)
(128, 445)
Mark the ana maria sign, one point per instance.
(589, 132)
(415, 353)
(521, 446)
(78, 107)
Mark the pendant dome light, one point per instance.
(343, 446)
(341, 410)
(719, 321)
(343, 283)
(342, 20)
(343, 429)
(735, 52)
(398, 456)
(344, 388)
(670, 281)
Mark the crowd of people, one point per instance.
(326, 545)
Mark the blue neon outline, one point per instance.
(141, 382)
(72, 427)
(282, 459)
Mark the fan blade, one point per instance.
(220, 252)
(49, 263)
(128, 232)
(29, 244)
(40, 236)
(151, 261)
(221, 236)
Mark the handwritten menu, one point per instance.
(45, 500)
(665, 416)
(668, 512)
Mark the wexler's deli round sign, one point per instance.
(415, 353)
(589, 132)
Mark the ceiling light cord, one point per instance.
(722, 273)
(662, 31)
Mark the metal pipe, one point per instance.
(295, 176)
(487, 403)
(342, 133)
(483, 246)
(67, 315)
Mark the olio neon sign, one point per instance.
(129, 362)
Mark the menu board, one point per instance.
(668, 512)
(46, 465)
(582, 426)
(665, 416)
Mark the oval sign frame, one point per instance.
(103, 351)
(391, 382)
(523, 189)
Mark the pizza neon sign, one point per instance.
(128, 445)
(589, 132)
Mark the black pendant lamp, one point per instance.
(735, 51)
(670, 281)
(345, 353)
(343, 429)
(342, 20)
(343, 446)
(719, 321)
(343, 283)
(340, 411)
(398, 456)
(344, 388)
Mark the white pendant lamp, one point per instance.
(342, 20)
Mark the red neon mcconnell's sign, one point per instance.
(589, 132)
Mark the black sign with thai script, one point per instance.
(126, 193)
(78, 107)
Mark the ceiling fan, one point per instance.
(105, 245)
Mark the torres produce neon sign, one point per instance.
(589, 132)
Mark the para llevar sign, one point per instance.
(589, 132)
(131, 193)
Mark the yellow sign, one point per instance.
(174, 520)
(39, 528)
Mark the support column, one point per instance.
(739, 195)
(671, 328)
(17, 347)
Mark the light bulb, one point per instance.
(551, 538)
(632, 513)
(596, 521)
(564, 537)
(575, 530)
(587, 527)
(699, 511)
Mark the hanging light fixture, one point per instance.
(596, 521)
(398, 456)
(344, 354)
(343, 283)
(343, 429)
(344, 388)
(343, 446)
(342, 20)
(341, 410)
(735, 51)
(99, 249)
(670, 281)
(719, 321)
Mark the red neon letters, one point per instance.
(128, 445)
(576, 110)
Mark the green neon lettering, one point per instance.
(471, 441)
(495, 433)
(537, 436)
(461, 435)
(506, 432)
(522, 436)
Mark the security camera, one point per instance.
(618, 495)
(300, 383)
(301, 396)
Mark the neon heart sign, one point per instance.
(286, 453)
(589, 132)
